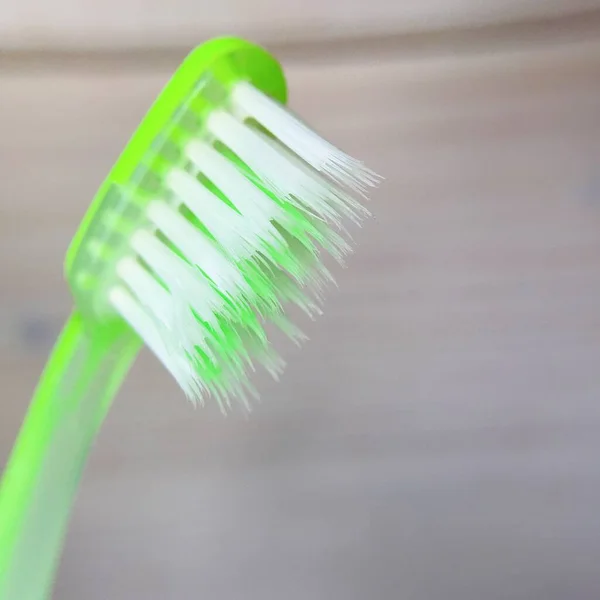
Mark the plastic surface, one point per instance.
(201, 83)
(95, 350)
(42, 476)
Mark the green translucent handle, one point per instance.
(42, 476)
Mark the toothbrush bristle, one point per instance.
(236, 237)
(302, 140)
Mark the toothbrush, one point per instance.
(210, 224)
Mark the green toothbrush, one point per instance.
(209, 225)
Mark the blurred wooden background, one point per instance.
(439, 436)
(156, 23)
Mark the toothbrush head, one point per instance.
(213, 221)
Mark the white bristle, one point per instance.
(144, 325)
(228, 244)
(312, 148)
(198, 249)
(145, 287)
(225, 224)
(179, 277)
(182, 329)
(341, 201)
(257, 212)
(282, 176)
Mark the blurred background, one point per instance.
(439, 437)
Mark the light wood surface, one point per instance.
(438, 438)
(132, 23)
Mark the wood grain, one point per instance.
(133, 23)
(438, 437)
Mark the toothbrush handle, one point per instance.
(41, 478)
